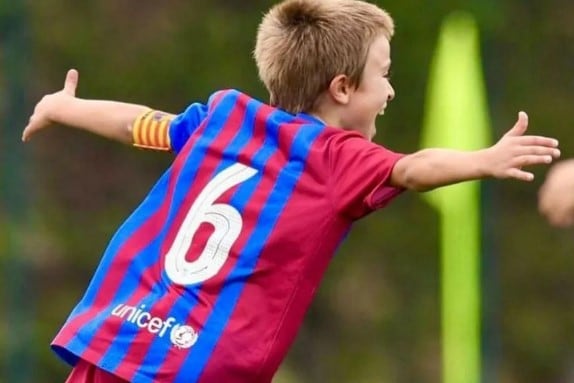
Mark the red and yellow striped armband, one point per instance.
(151, 130)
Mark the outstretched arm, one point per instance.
(431, 168)
(110, 119)
(556, 196)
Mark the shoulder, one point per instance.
(233, 96)
(337, 138)
(227, 100)
(341, 146)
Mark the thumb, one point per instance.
(520, 127)
(71, 82)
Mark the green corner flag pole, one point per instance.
(457, 117)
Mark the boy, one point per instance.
(209, 279)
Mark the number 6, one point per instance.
(227, 224)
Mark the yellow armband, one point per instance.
(151, 130)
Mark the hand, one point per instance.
(556, 196)
(515, 150)
(50, 104)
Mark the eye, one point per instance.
(388, 74)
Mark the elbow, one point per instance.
(412, 173)
(413, 182)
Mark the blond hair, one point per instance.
(303, 44)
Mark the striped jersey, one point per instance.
(209, 278)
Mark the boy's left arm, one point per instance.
(150, 130)
(431, 168)
(123, 122)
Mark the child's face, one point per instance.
(370, 98)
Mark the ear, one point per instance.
(340, 89)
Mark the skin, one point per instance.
(109, 119)
(356, 108)
(343, 105)
(556, 196)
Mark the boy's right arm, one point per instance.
(110, 119)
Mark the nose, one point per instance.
(391, 95)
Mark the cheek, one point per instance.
(378, 93)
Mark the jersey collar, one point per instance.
(310, 118)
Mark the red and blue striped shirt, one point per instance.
(210, 277)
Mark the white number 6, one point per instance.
(227, 224)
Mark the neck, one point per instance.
(328, 112)
(327, 118)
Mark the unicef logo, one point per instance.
(183, 336)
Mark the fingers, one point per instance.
(28, 130)
(536, 141)
(520, 126)
(531, 159)
(520, 175)
(516, 172)
(48, 104)
(539, 150)
(25, 135)
(71, 82)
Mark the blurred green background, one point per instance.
(377, 315)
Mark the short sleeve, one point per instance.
(359, 174)
(185, 124)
